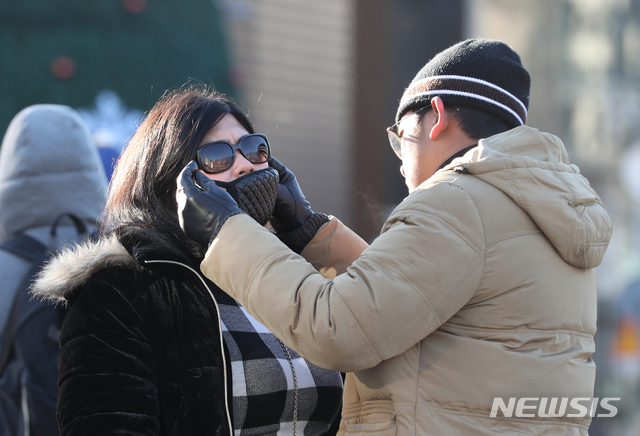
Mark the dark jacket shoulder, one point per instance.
(141, 344)
(133, 252)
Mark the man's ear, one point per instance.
(441, 120)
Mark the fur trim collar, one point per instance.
(75, 265)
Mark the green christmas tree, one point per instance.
(66, 51)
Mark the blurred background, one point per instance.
(322, 80)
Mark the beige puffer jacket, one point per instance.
(480, 286)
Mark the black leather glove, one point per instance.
(202, 210)
(292, 209)
(293, 220)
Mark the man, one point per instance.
(480, 286)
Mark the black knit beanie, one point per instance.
(477, 73)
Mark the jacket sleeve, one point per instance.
(105, 373)
(419, 272)
(333, 248)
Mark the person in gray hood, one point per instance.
(479, 293)
(49, 171)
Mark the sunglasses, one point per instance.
(218, 156)
(394, 139)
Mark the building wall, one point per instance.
(323, 79)
(294, 64)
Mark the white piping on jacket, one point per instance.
(224, 360)
(26, 421)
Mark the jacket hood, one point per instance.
(131, 247)
(48, 166)
(533, 169)
(75, 265)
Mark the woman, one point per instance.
(150, 346)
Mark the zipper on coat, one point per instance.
(224, 359)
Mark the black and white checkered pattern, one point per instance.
(263, 394)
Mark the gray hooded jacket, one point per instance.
(48, 166)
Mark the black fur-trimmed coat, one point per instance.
(141, 347)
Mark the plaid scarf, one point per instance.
(263, 387)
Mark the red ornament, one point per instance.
(238, 76)
(62, 67)
(134, 6)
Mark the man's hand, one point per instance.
(293, 220)
(202, 210)
(292, 209)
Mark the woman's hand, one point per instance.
(203, 209)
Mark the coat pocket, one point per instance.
(370, 418)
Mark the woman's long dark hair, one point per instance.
(143, 187)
